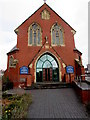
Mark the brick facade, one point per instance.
(28, 55)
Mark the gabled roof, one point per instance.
(39, 9)
(75, 49)
(13, 49)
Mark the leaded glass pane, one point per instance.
(39, 64)
(50, 58)
(35, 34)
(38, 36)
(61, 37)
(46, 61)
(30, 41)
(47, 69)
(57, 37)
(54, 63)
(34, 38)
(47, 64)
(53, 37)
(56, 27)
(34, 26)
(43, 58)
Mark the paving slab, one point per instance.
(56, 103)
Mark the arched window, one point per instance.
(57, 35)
(34, 34)
(11, 60)
(47, 69)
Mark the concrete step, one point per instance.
(49, 85)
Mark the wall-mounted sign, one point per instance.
(24, 70)
(69, 69)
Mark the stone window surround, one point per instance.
(59, 38)
(36, 36)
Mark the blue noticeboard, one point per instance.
(24, 70)
(69, 69)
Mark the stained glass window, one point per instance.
(57, 35)
(47, 69)
(47, 61)
(35, 34)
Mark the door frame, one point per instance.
(59, 64)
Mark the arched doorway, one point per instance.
(47, 69)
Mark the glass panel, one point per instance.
(56, 35)
(38, 36)
(30, 41)
(54, 63)
(39, 64)
(56, 27)
(34, 37)
(43, 58)
(38, 70)
(53, 37)
(50, 58)
(34, 26)
(57, 38)
(61, 37)
(35, 34)
(47, 64)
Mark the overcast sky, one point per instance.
(14, 12)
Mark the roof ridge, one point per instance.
(36, 11)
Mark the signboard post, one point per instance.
(70, 70)
(23, 70)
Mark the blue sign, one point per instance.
(24, 70)
(69, 69)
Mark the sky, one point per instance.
(14, 12)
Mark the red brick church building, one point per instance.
(45, 49)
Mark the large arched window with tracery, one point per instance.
(57, 35)
(47, 69)
(34, 34)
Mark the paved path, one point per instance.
(56, 103)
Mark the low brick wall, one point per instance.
(82, 91)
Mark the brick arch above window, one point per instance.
(34, 35)
(57, 35)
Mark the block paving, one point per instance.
(56, 103)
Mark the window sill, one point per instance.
(34, 45)
(58, 45)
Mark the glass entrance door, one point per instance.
(47, 69)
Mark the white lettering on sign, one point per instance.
(24, 70)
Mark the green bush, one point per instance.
(17, 108)
(6, 83)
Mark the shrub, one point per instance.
(17, 108)
(6, 83)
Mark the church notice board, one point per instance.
(70, 69)
(23, 70)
